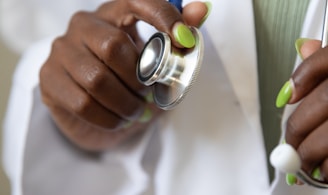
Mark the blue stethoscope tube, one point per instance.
(177, 4)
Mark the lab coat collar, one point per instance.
(237, 38)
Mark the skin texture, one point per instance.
(90, 86)
(307, 127)
(89, 80)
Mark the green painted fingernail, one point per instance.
(146, 116)
(284, 95)
(316, 173)
(298, 44)
(184, 36)
(209, 9)
(149, 98)
(291, 179)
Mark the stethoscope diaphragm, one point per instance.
(170, 71)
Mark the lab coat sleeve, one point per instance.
(19, 107)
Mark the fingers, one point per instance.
(311, 72)
(101, 83)
(307, 127)
(89, 80)
(60, 91)
(113, 47)
(314, 150)
(311, 112)
(158, 13)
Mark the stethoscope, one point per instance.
(170, 71)
(284, 157)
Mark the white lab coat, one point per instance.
(210, 144)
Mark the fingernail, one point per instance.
(149, 98)
(291, 179)
(209, 9)
(284, 94)
(316, 173)
(183, 35)
(298, 45)
(146, 116)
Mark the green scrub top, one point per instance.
(278, 24)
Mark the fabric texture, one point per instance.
(278, 24)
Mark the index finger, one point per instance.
(158, 13)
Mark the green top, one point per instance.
(278, 24)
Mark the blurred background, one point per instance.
(8, 60)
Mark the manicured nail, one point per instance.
(146, 116)
(284, 94)
(149, 98)
(316, 173)
(291, 179)
(183, 35)
(209, 9)
(298, 45)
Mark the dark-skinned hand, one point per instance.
(307, 127)
(89, 80)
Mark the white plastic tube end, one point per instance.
(285, 158)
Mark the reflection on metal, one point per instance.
(169, 70)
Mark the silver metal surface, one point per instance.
(169, 70)
(310, 181)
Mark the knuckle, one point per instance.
(95, 76)
(78, 17)
(112, 44)
(58, 44)
(81, 105)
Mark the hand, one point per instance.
(89, 80)
(307, 127)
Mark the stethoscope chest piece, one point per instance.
(169, 70)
